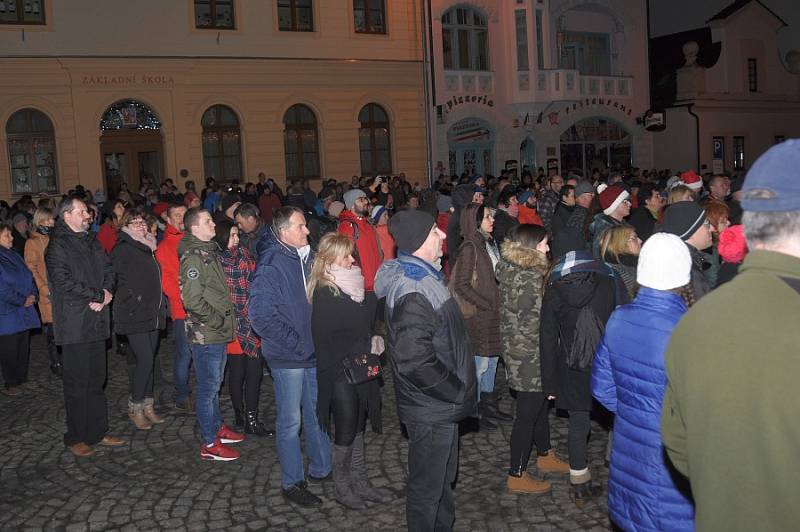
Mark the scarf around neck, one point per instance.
(148, 240)
(349, 280)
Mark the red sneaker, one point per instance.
(226, 435)
(217, 451)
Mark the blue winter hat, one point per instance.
(524, 197)
(773, 182)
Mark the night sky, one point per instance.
(672, 16)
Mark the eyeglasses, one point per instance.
(138, 222)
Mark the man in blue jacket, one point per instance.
(432, 365)
(281, 315)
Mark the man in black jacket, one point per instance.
(81, 279)
(432, 364)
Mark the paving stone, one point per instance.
(157, 481)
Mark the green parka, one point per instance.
(209, 310)
(520, 273)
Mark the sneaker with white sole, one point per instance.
(217, 451)
(226, 435)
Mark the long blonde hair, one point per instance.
(615, 241)
(332, 246)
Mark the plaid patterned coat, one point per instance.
(238, 265)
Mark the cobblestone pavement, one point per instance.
(157, 480)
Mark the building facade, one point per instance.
(728, 95)
(189, 89)
(560, 84)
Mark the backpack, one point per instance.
(589, 331)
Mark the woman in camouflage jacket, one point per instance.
(520, 273)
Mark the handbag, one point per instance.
(468, 310)
(361, 368)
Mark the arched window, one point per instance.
(222, 151)
(300, 142)
(465, 39)
(373, 140)
(32, 152)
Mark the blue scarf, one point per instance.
(577, 262)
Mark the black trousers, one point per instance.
(578, 438)
(432, 468)
(244, 375)
(84, 375)
(142, 348)
(531, 426)
(345, 408)
(15, 357)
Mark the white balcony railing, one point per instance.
(469, 81)
(564, 84)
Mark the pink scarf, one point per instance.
(148, 240)
(349, 280)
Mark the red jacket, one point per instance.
(267, 205)
(107, 236)
(369, 254)
(167, 257)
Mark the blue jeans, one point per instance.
(486, 369)
(296, 392)
(209, 366)
(181, 362)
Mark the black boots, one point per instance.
(490, 408)
(55, 359)
(238, 418)
(253, 426)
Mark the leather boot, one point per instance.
(150, 412)
(55, 359)
(484, 423)
(342, 482)
(238, 418)
(253, 426)
(520, 481)
(551, 463)
(491, 408)
(360, 481)
(583, 494)
(136, 413)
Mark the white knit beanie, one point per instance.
(664, 262)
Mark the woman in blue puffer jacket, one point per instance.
(628, 378)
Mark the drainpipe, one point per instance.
(429, 83)
(697, 132)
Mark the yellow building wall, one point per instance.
(75, 93)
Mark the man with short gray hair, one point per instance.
(729, 418)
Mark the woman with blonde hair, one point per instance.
(679, 193)
(35, 246)
(619, 248)
(342, 318)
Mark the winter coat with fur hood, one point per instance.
(484, 326)
(520, 274)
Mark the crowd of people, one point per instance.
(667, 300)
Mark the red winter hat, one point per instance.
(732, 244)
(160, 207)
(692, 180)
(611, 197)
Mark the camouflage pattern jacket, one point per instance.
(520, 273)
(209, 310)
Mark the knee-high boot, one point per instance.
(361, 484)
(342, 478)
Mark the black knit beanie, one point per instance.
(410, 229)
(683, 219)
(566, 240)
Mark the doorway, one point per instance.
(131, 146)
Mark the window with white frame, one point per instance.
(465, 39)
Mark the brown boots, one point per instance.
(150, 413)
(551, 463)
(525, 483)
(136, 413)
(143, 414)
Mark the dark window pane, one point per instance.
(31, 152)
(305, 19)
(209, 118)
(379, 115)
(284, 17)
(464, 62)
(376, 22)
(224, 16)
(447, 47)
(363, 116)
(18, 123)
(366, 163)
(228, 117)
(359, 20)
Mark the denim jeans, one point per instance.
(181, 362)
(486, 369)
(209, 365)
(296, 393)
(432, 469)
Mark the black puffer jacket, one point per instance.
(78, 270)
(563, 301)
(139, 304)
(432, 361)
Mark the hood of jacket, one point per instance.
(526, 258)
(190, 242)
(468, 223)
